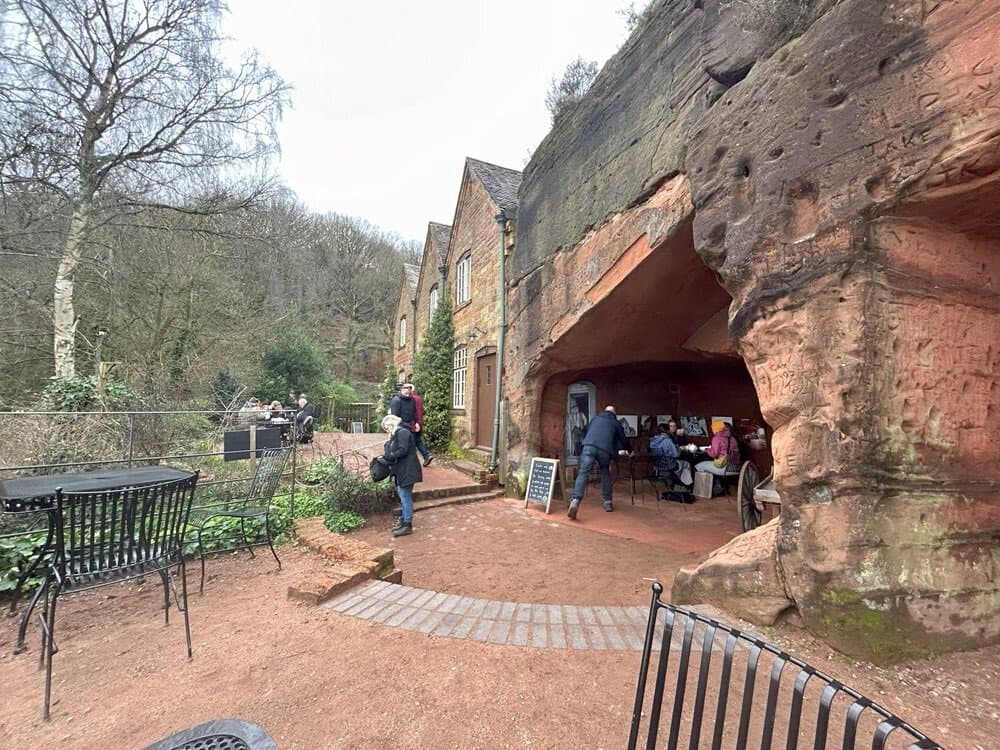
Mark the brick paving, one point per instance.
(553, 626)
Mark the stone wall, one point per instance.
(476, 322)
(840, 168)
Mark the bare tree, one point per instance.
(569, 89)
(112, 104)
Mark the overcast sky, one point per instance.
(389, 97)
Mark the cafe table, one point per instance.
(37, 494)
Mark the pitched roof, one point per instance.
(411, 274)
(440, 234)
(501, 183)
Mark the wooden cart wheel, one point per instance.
(750, 514)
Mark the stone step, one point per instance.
(426, 503)
(470, 488)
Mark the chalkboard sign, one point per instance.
(357, 427)
(541, 480)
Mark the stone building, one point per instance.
(790, 215)
(404, 338)
(431, 284)
(472, 270)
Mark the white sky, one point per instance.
(389, 97)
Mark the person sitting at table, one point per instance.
(665, 455)
(275, 410)
(677, 434)
(305, 419)
(724, 453)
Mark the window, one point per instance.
(458, 379)
(402, 332)
(432, 303)
(463, 287)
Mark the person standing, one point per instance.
(400, 451)
(604, 438)
(403, 405)
(418, 427)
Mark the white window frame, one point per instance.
(463, 279)
(432, 302)
(402, 332)
(459, 371)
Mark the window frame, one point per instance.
(463, 279)
(459, 376)
(433, 297)
(402, 332)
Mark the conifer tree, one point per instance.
(432, 373)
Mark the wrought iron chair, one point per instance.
(718, 687)
(222, 734)
(256, 506)
(108, 536)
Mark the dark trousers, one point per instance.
(421, 448)
(589, 456)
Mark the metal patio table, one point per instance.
(37, 494)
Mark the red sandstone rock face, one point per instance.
(842, 193)
(844, 189)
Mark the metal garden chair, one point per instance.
(222, 734)
(718, 687)
(256, 506)
(108, 536)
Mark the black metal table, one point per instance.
(37, 494)
(224, 734)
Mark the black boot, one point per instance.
(404, 529)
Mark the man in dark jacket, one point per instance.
(400, 451)
(404, 407)
(604, 438)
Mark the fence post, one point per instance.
(131, 433)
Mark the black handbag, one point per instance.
(379, 468)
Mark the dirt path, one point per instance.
(317, 679)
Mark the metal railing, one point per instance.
(736, 672)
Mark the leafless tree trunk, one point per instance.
(113, 104)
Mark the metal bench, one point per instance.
(717, 687)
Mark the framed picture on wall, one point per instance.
(663, 419)
(647, 424)
(629, 423)
(694, 426)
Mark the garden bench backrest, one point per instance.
(718, 687)
(112, 535)
(270, 465)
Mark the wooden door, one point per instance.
(486, 393)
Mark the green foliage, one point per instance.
(432, 374)
(320, 469)
(84, 394)
(16, 554)
(294, 363)
(345, 490)
(224, 388)
(342, 521)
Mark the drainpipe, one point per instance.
(502, 218)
